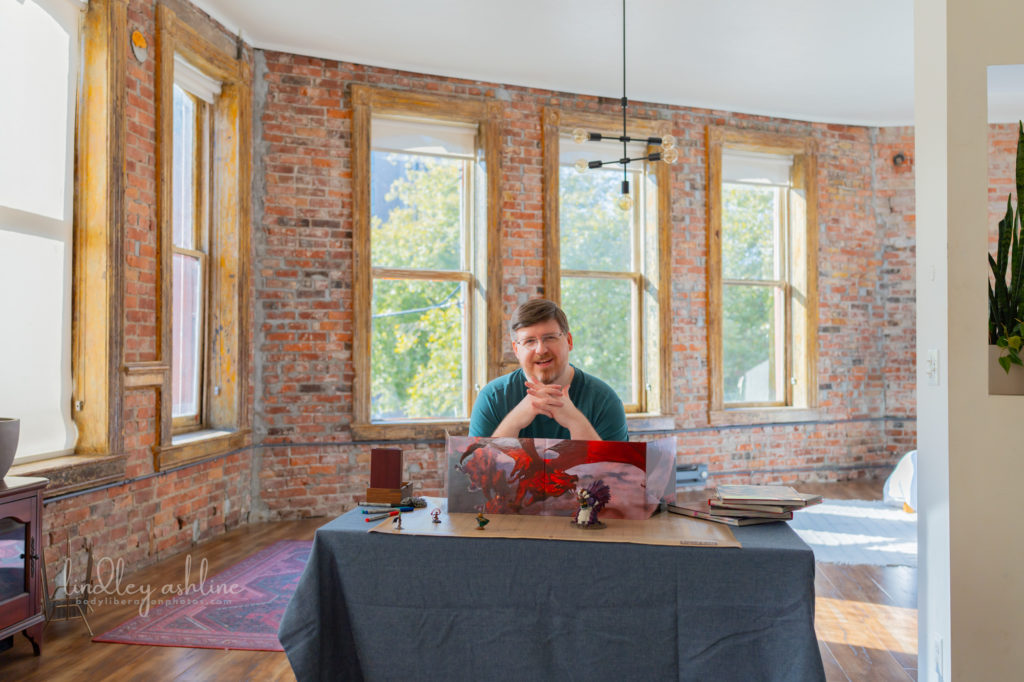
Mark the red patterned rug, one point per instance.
(240, 608)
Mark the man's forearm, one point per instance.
(508, 428)
(583, 430)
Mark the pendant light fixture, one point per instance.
(668, 153)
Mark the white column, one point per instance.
(970, 444)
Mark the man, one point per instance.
(546, 397)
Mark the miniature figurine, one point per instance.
(435, 516)
(396, 523)
(481, 521)
(592, 500)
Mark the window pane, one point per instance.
(186, 328)
(39, 46)
(595, 233)
(35, 333)
(602, 319)
(749, 217)
(418, 349)
(752, 365)
(417, 204)
(183, 170)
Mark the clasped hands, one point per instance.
(550, 400)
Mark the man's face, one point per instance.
(543, 351)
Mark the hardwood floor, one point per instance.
(865, 616)
(866, 619)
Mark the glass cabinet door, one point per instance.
(13, 576)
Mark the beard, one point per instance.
(547, 371)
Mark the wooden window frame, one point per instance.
(655, 401)
(201, 182)
(801, 294)
(225, 415)
(98, 262)
(368, 101)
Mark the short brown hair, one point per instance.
(534, 312)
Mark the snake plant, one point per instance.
(1006, 293)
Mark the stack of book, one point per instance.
(746, 505)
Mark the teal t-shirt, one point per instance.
(593, 397)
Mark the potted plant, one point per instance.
(1006, 288)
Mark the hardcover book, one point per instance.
(765, 494)
(751, 510)
(701, 510)
(717, 504)
(385, 468)
(539, 476)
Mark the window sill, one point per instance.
(762, 415)
(188, 448)
(421, 430)
(436, 430)
(650, 422)
(72, 473)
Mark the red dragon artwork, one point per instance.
(533, 478)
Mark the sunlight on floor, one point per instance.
(869, 625)
(858, 532)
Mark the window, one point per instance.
(762, 274)
(608, 268)
(423, 234)
(40, 42)
(190, 181)
(203, 137)
(95, 73)
(425, 300)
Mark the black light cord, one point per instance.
(667, 152)
(625, 151)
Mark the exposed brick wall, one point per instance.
(304, 271)
(1002, 160)
(140, 238)
(894, 208)
(150, 518)
(152, 514)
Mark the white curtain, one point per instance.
(744, 166)
(423, 136)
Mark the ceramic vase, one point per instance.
(9, 428)
(999, 381)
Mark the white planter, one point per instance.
(999, 382)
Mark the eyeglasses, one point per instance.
(533, 343)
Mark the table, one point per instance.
(372, 606)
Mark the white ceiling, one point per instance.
(815, 60)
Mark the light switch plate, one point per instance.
(931, 367)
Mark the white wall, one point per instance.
(971, 445)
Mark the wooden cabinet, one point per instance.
(21, 511)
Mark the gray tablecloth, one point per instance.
(373, 606)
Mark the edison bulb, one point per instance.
(668, 142)
(581, 165)
(579, 135)
(625, 202)
(670, 155)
